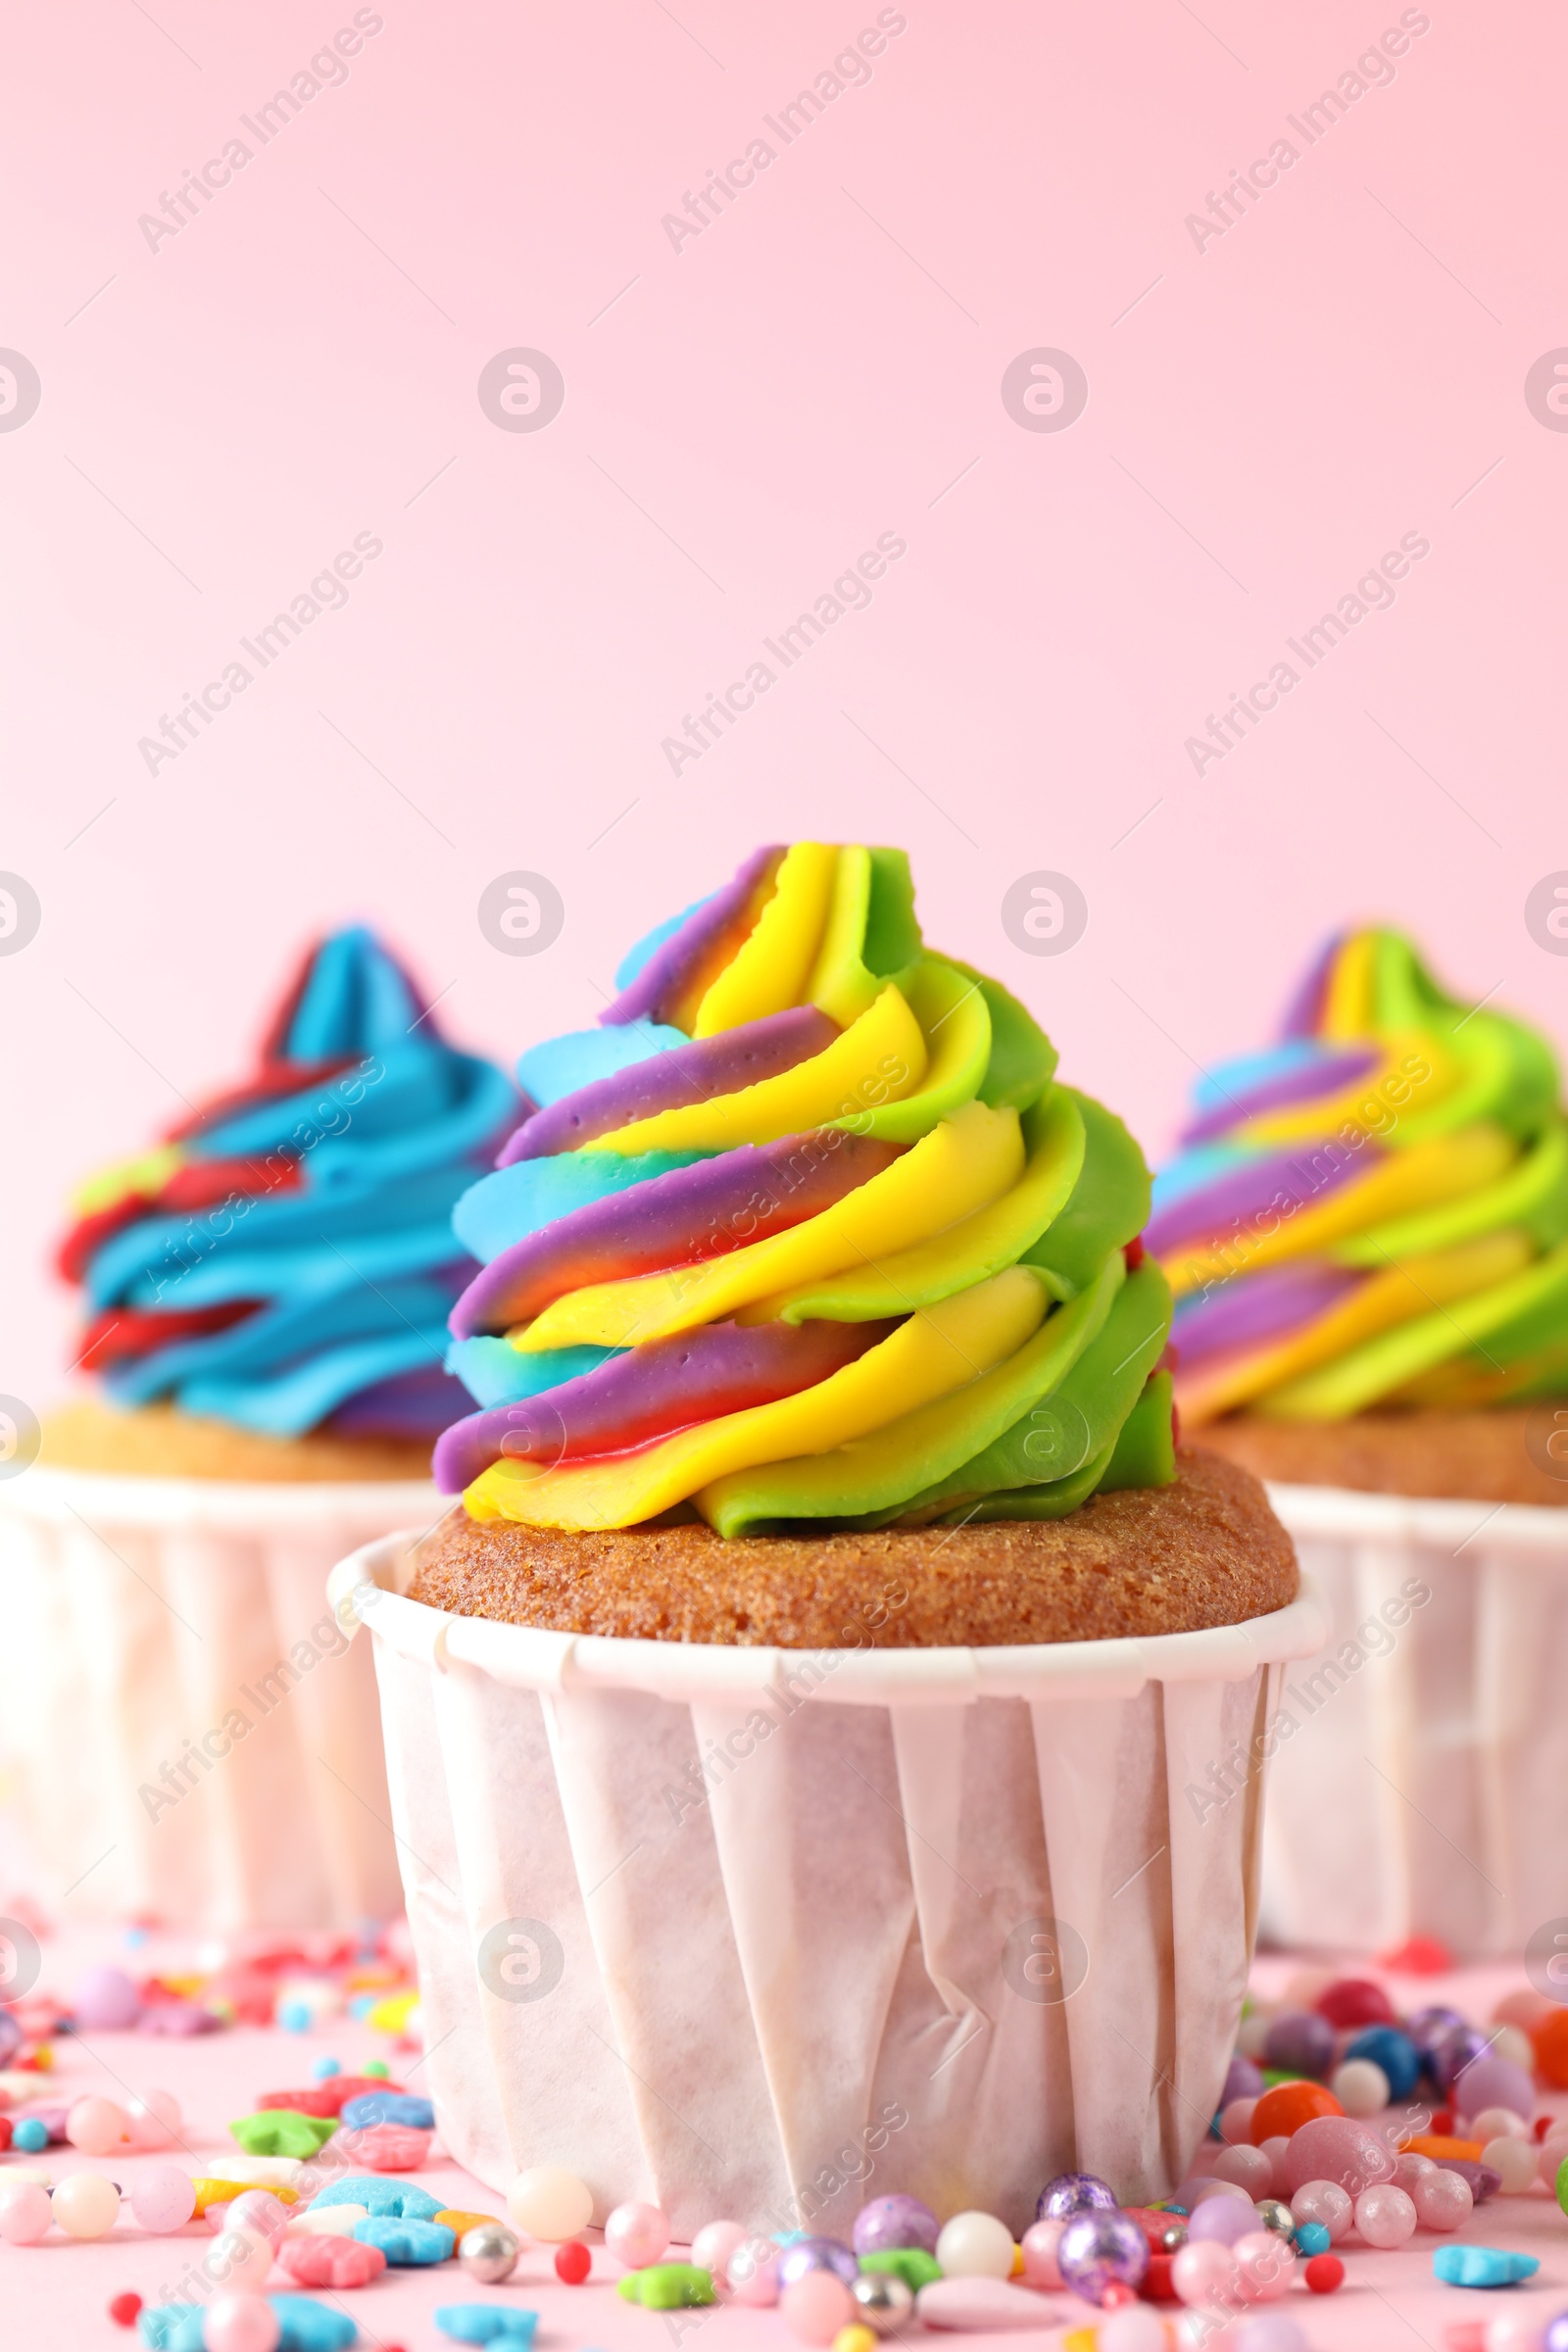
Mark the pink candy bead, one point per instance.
(259, 2210)
(753, 2272)
(1514, 2331)
(97, 2126)
(1274, 2149)
(1236, 2122)
(25, 2212)
(637, 2235)
(1269, 2331)
(240, 2324)
(1205, 2275)
(1135, 2327)
(712, 2248)
(1408, 2169)
(163, 2198)
(240, 2261)
(1441, 2199)
(1384, 2215)
(1250, 2168)
(814, 2308)
(1266, 2264)
(1221, 2221)
(1040, 2253)
(1330, 2147)
(154, 2119)
(1327, 2203)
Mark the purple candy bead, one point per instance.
(1428, 2026)
(1074, 2193)
(105, 2001)
(889, 2224)
(1243, 2080)
(1100, 2249)
(1484, 2181)
(1494, 2082)
(1456, 2050)
(1222, 2220)
(816, 2254)
(1558, 2334)
(1301, 2042)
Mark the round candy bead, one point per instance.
(1324, 2273)
(1325, 2203)
(883, 2301)
(753, 2272)
(856, 2338)
(240, 2324)
(889, 2223)
(1408, 2168)
(1274, 2149)
(25, 2212)
(1300, 2040)
(85, 2204)
(1269, 2331)
(155, 2118)
(123, 2309)
(1428, 2026)
(105, 2001)
(1311, 2238)
(163, 2198)
(1554, 2149)
(550, 2203)
(259, 2210)
(1354, 2001)
(1332, 2148)
(1556, 2339)
(573, 2262)
(1266, 2264)
(240, 2260)
(1492, 2082)
(1253, 2033)
(1513, 2161)
(1137, 2328)
(1205, 2276)
(1507, 2041)
(1243, 2080)
(1497, 2123)
(1221, 2221)
(1388, 2048)
(97, 2125)
(712, 2246)
(637, 2235)
(1039, 2252)
(1441, 2199)
(1514, 2331)
(1361, 2086)
(1236, 2119)
(1274, 2214)
(1074, 2193)
(1304, 1987)
(322, 2069)
(1453, 2053)
(1099, 2250)
(806, 2254)
(1247, 2166)
(1289, 2106)
(29, 2136)
(1210, 2184)
(973, 2245)
(1384, 2215)
(816, 2306)
(489, 2252)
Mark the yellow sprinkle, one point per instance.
(220, 2192)
(1078, 2339)
(1016, 2270)
(392, 2015)
(458, 2222)
(854, 2338)
(43, 2058)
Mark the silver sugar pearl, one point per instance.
(1277, 2216)
(881, 2300)
(1172, 2240)
(489, 2252)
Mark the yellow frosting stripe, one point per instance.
(955, 1024)
(1388, 1362)
(965, 1162)
(1442, 1169)
(1363, 1104)
(770, 971)
(1350, 998)
(1527, 1187)
(964, 1253)
(935, 1352)
(148, 1173)
(880, 1058)
(1398, 1295)
(840, 984)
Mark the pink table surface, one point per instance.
(57, 2293)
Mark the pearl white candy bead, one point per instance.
(550, 2203)
(1514, 2162)
(975, 2245)
(1361, 2086)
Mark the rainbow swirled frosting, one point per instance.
(1373, 1212)
(283, 1261)
(804, 1234)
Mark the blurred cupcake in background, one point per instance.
(264, 1299)
(1366, 1234)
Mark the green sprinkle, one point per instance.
(377, 2066)
(667, 2287)
(913, 2264)
(281, 2131)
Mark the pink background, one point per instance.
(741, 418)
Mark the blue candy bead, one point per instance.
(486, 2323)
(171, 2326)
(1482, 2265)
(373, 2107)
(1310, 2237)
(387, 2200)
(295, 2017)
(322, 2069)
(310, 2327)
(1395, 2052)
(31, 2135)
(406, 2242)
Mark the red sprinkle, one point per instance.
(123, 2309)
(1156, 2286)
(1441, 2124)
(1323, 2274)
(573, 2262)
(1133, 1252)
(5, 2131)
(1544, 2124)
(1422, 1956)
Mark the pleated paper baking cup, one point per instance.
(764, 1932)
(187, 1731)
(1421, 1756)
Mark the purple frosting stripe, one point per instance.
(1249, 1308)
(1324, 1077)
(659, 983)
(687, 1217)
(695, 1073)
(1306, 1176)
(650, 1392)
(1303, 1013)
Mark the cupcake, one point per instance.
(1366, 1233)
(265, 1297)
(799, 1731)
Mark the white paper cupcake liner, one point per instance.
(1422, 1756)
(186, 1733)
(944, 1921)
